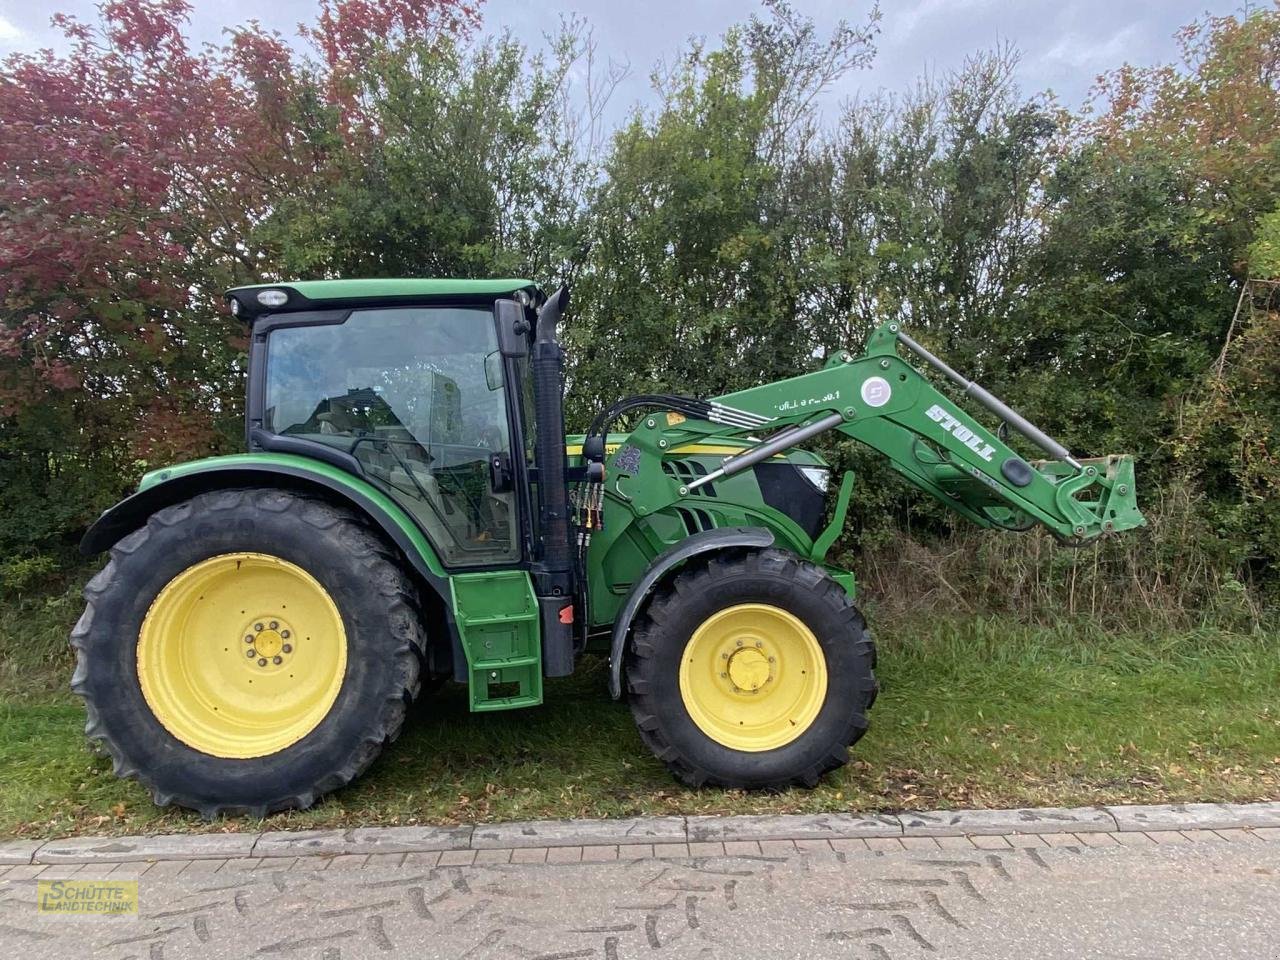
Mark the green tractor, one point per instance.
(410, 510)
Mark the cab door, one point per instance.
(416, 394)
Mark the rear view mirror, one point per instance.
(513, 328)
(493, 370)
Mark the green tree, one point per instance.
(694, 281)
(461, 160)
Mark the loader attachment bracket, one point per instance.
(1115, 506)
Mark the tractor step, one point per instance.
(485, 621)
(497, 617)
(511, 662)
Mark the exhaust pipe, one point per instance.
(554, 572)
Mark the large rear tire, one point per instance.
(751, 670)
(247, 651)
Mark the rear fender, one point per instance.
(172, 485)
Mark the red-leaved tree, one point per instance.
(132, 171)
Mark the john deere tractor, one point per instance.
(409, 509)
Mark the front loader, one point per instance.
(409, 509)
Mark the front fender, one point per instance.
(706, 541)
(163, 488)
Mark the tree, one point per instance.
(462, 161)
(694, 278)
(1200, 143)
(133, 172)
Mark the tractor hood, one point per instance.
(793, 482)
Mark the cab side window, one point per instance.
(410, 393)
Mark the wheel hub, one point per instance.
(749, 668)
(269, 641)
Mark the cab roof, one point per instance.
(338, 294)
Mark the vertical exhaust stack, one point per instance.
(554, 572)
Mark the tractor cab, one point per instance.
(415, 396)
(430, 391)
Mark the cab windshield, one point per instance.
(415, 395)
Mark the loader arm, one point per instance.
(884, 402)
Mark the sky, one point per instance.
(1063, 44)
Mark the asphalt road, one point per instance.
(1211, 898)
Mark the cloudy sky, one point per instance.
(1064, 44)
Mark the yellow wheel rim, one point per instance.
(241, 655)
(753, 677)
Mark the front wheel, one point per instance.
(751, 670)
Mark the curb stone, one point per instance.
(578, 833)
(994, 823)
(305, 843)
(18, 851)
(1256, 814)
(824, 826)
(190, 846)
(1196, 816)
(643, 831)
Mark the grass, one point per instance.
(974, 712)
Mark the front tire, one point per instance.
(751, 670)
(247, 651)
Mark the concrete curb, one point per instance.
(646, 830)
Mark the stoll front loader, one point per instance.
(410, 509)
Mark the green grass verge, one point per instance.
(974, 712)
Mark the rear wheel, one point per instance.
(247, 651)
(751, 670)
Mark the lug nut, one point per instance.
(724, 675)
(275, 624)
(277, 659)
(257, 628)
(724, 656)
(284, 634)
(262, 661)
(759, 645)
(772, 660)
(251, 653)
(287, 648)
(248, 639)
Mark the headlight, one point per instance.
(273, 298)
(818, 476)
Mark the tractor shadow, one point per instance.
(578, 752)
